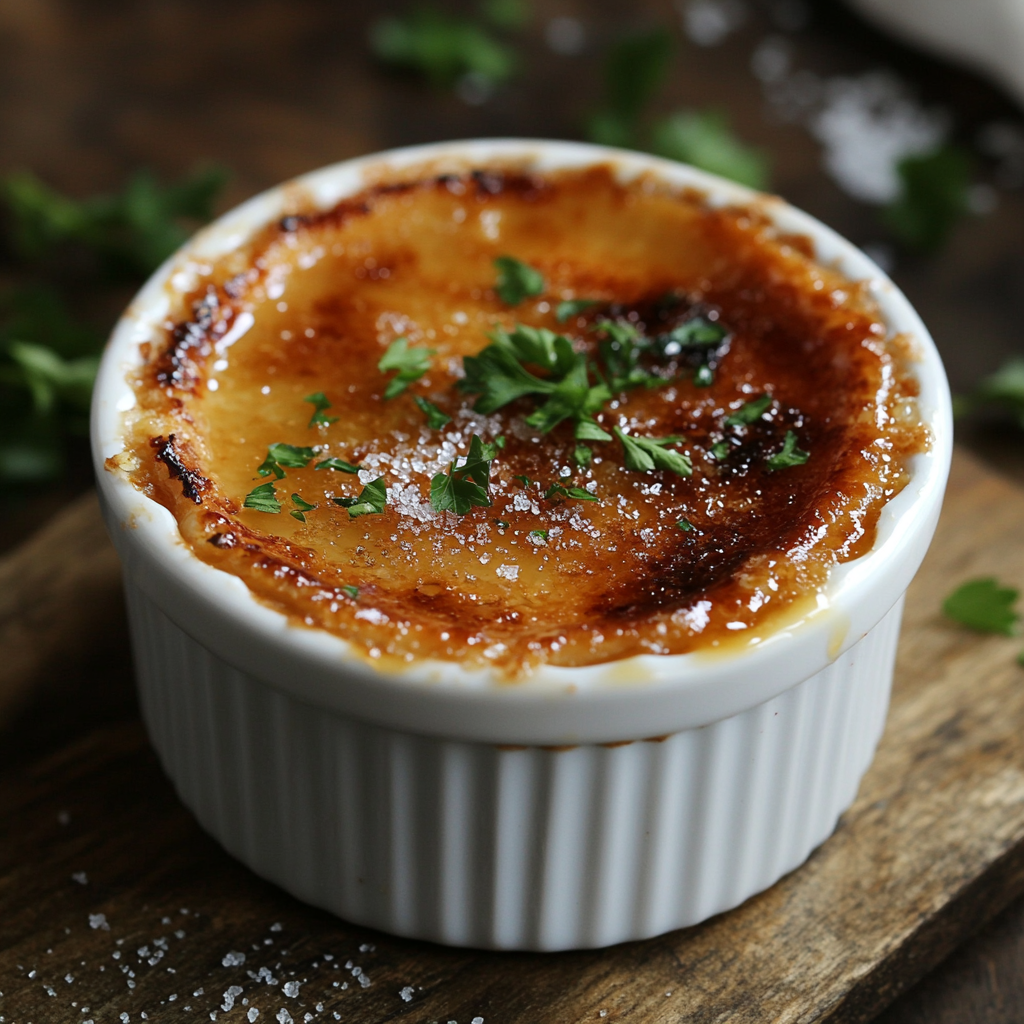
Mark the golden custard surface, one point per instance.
(313, 302)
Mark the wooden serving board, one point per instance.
(933, 847)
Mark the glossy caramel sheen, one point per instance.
(325, 294)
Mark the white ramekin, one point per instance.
(585, 807)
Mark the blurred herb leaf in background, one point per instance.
(635, 68)
(57, 250)
(446, 49)
(705, 140)
(933, 197)
(1002, 392)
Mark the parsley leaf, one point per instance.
(704, 139)
(502, 524)
(634, 69)
(371, 501)
(352, 592)
(517, 280)
(441, 47)
(263, 499)
(569, 308)
(436, 419)
(287, 455)
(301, 507)
(411, 364)
(646, 453)
(467, 481)
(497, 373)
(339, 464)
(697, 333)
(789, 455)
(582, 455)
(750, 412)
(579, 493)
(539, 537)
(932, 198)
(720, 450)
(685, 525)
(620, 352)
(320, 403)
(984, 605)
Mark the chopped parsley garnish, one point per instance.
(263, 499)
(749, 413)
(984, 605)
(704, 376)
(697, 333)
(646, 453)
(502, 524)
(285, 455)
(319, 402)
(572, 307)
(338, 464)
(301, 508)
(524, 480)
(539, 536)
(705, 139)
(517, 280)
(579, 493)
(499, 375)
(685, 525)
(582, 455)
(789, 455)
(411, 364)
(467, 481)
(371, 501)
(436, 419)
(620, 350)
(352, 591)
(720, 450)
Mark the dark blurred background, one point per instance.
(914, 158)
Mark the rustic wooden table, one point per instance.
(270, 88)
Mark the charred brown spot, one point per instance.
(193, 484)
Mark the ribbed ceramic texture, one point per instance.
(512, 848)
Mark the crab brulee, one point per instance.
(500, 418)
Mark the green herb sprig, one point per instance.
(517, 281)
(789, 454)
(372, 500)
(647, 453)
(411, 364)
(320, 404)
(285, 456)
(556, 491)
(263, 499)
(499, 376)
(301, 508)
(437, 419)
(467, 483)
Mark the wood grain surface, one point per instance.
(933, 847)
(60, 595)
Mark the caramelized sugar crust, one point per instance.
(312, 303)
